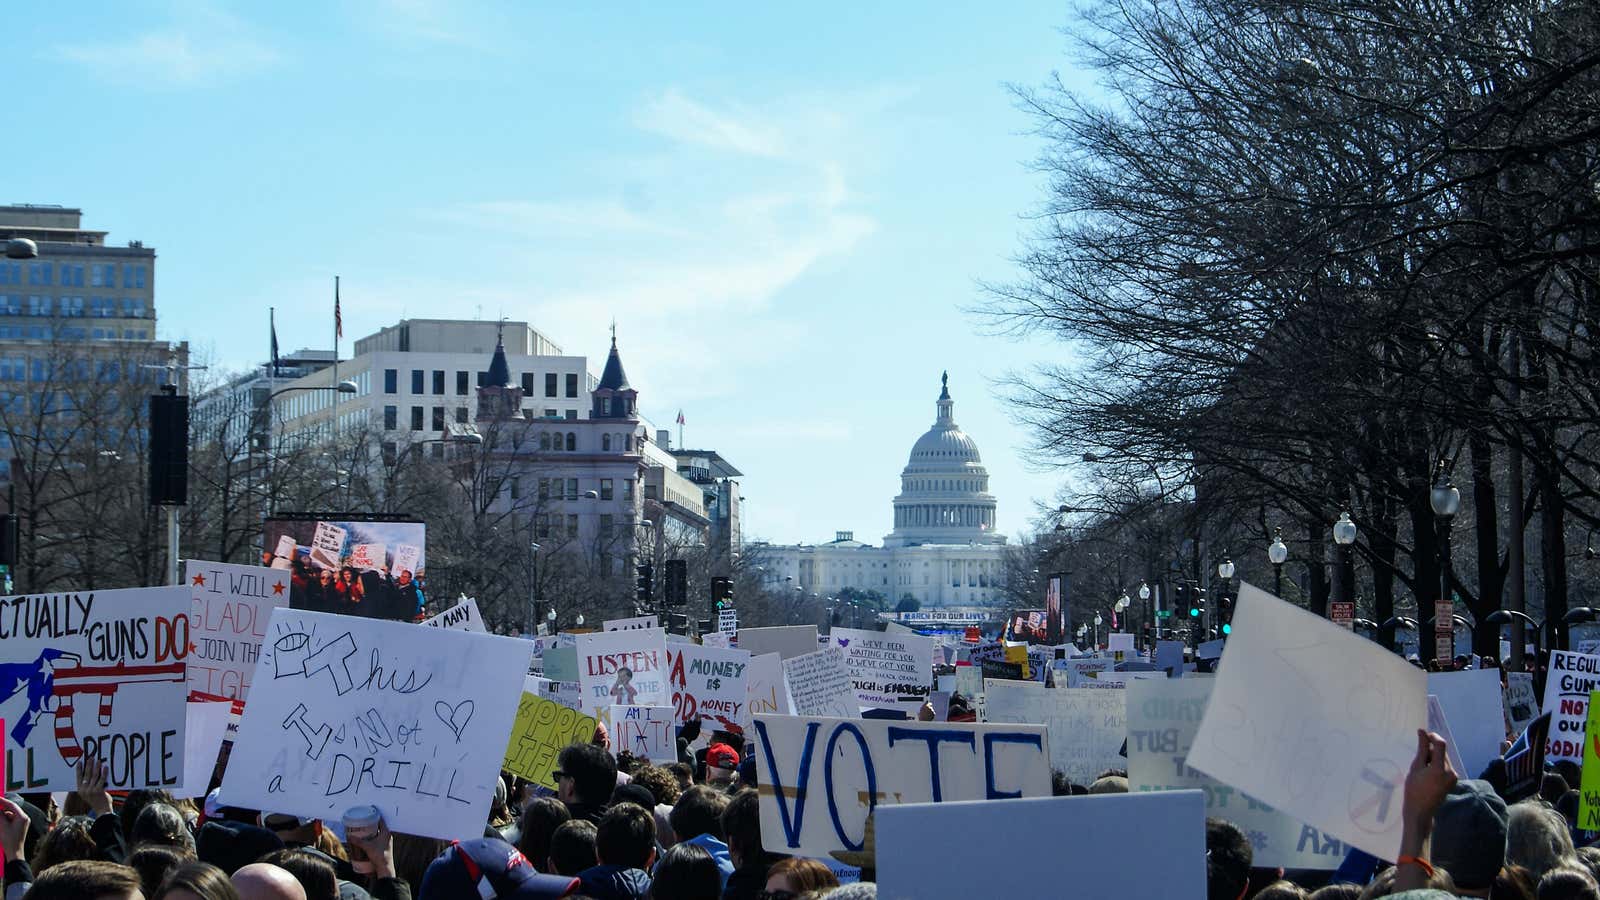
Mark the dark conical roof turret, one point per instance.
(499, 370)
(613, 378)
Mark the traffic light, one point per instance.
(677, 586)
(1225, 613)
(1197, 603)
(722, 592)
(645, 585)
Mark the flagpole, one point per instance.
(336, 324)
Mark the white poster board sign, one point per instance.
(1120, 643)
(1075, 672)
(205, 725)
(1163, 717)
(648, 732)
(1169, 658)
(349, 711)
(370, 557)
(1314, 720)
(622, 668)
(230, 607)
(637, 623)
(728, 621)
(406, 557)
(765, 688)
(327, 545)
(820, 778)
(99, 674)
(1087, 727)
(464, 616)
(889, 670)
(1522, 706)
(820, 685)
(1474, 707)
(784, 640)
(1024, 837)
(709, 683)
(1566, 697)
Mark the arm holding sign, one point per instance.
(379, 848)
(1427, 785)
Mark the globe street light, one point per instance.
(1344, 535)
(1144, 598)
(1097, 630)
(1445, 500)
(1277, 554)
(1502, 617)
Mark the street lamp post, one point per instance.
(1097, 631)
(343, 387)
(1277, 554)
(1144, 598)
(1501, 617)
(533, 588)
(1344, 535)
(1446, 501)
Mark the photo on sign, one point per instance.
(348, 564)
(1030, 625)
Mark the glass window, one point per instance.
(572, 525)
(461, 384)
(516, 488)
(438, 418)
(133, 307)
(572, 414)
(416, 382)
(461, 415)
(607, 492)
(438, 381)
(544, 489)
(102, 275)
(572, 442)
(552, 414)
(71, 275)
(40, 306)
(72, 306)
(39, 272)
(391, 381)
(391, 417)
(606, 525)
(10, 305)
(416, 418)
(550, 384)
(572, 488)
(132, 276)
(627, 488)
(605, 442)
(541, 526)
(572, 385)
(10, 273)
(544, 441)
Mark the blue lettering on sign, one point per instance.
(827, 774)
(989, 740)
(791, 828)
(933, 737)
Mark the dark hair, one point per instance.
(1227, 860)
(1568, 883)
(592, 770)
(413, 854)
(201, 879)
(741, 825)
(540, 819)
(686, 872)
(1060, 785)
(807, 874)
(69, 840)
(161, 823)
(1552, 786)
(626, 836)
(1514, 883)
(135, 803)
(308, 867)
(76, 879)
(698, 811)
(1282, 890)
(572, 847)
(683, 772)
(154, 862)
(1341, 891)
(660, 782)
(633, 793)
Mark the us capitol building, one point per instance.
(944, 550)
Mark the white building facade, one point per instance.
(943, 551)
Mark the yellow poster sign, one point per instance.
(543, 728)
(1589, 803)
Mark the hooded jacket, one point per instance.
(614, 883)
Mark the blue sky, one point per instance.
(785, 209)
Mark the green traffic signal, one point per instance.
(1194, 612)
(1227, 628)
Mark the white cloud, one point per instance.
(674, 116)
(204, 44)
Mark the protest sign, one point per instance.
(1169, 658)
(820, 778)
(709, 683)
(1039, 658)
(228, 614)
(327, 545)
(99, 674)
(1087, 727)
(1120, 679)
(205, 725)
(1473, 705)
(1024, 837)
(1120, 643)
(1589, 799)
(820, 685)
(969, 681)
(719, 639)
(1566, 697)
(1163, 717)
(407, 558)
(370, 557)
(541, 729)
(1590, 647)
(1314, 720)
(1522, 707)
(728, 621)
(349, 711)
(637, 623)
(622, 668)
(561, 663)
(1081, 669)
(1439, 724)
(889, 670)
(784, 640)
(648, 732)
(566, 693)
(1210, 649)
(342, 559)
(464, 616)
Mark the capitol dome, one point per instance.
(944, 489)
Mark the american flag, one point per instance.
(680, 417)
(338, 320)
(1525, 761)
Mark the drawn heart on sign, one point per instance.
(844, 642)
(455, 718)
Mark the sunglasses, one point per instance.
(557, 775)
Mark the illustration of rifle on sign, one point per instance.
(60, 676)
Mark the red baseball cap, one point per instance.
(721, 756)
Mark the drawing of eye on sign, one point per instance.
(98, 674)
(347, 711)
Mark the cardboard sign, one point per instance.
(1314, 720)
(1522, 707)
(765, 690)
(1120, 643)
(327, 545)
(637, 623)
(720, 639)
(784, 640)
(1023, 838)
(889, 670)
(1081, 670)
(819, 685)
(349, 711)
(230, 607)
(1589, 801)
(709, 683)
(205, 725)
(406, 559)
(1566, 697)
(541, 730)
(97, 673)
(370, 557)
(1473, 705)
(820, 778)
(622, 668)
(727, 621)
(648, 732)
(464, 616)
(1163, 717)
(1087, 727)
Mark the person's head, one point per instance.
(314, 873)
(698, 811)
(632, 793)
(722, 763)
(292, 830)
(1515, 883)
(683, 773)
(626, 837)
(586, 773)
(1382, 885)
(1469, 834)
(1537, 838)
(264, 881)
(1228, 858)
(1109, 784)
(540, 819)
(135, 803)
(791, 877)
(325, 576)
(1570, 772)
(660, 782)
(232, 845)
(1281, 890)
(154, 862)
(69, 840)
(1552, 786)
(1341, 891)
(413, 853)
(1590, 857)
(624, 675)
(161, 823)
(347, 575)
(86, 879)
(1568, 883)
(572, 847)
(196, 881)
(686, 872)
(741, 828)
